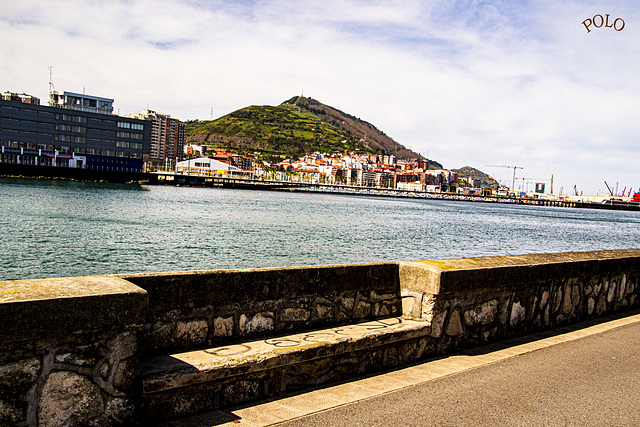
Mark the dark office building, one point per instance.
(78, 132)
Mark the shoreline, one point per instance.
(171, 179)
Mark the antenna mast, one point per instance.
(52, 91)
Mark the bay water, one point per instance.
(51, 228)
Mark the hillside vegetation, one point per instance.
(469, 172)
(297, 127)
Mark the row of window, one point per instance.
(21, 108)
(63, 149)
(125, 144)
(110, 153)
(82, 129)
(17, 122)
(74, 140)
(69, 128)
(71, 118)
(134, 126)
(131, 135)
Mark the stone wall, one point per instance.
(203, 309)
(473, 301)
(69, 351)
(71, 348)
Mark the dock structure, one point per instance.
(242, 182)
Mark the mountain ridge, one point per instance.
(296, 127)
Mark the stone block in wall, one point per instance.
(324, 311)
(482, 314)
(69, 399)
(454, 325)
(192, 332)
(19, 376)
(293, 314)
(9, 413)
(411, 303)
(385, 308)
(518, 313)
(223, 326)
(256, 323)
(362, 309)
(437, 323)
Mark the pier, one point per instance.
(244, 182)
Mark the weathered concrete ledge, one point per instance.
(141, 348)
(48, 308)
(184, 383)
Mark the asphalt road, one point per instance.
(590, 381)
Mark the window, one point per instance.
(137, 136)
(124, 125)
(137, 126)
(70, 118)
(122, 144)
(136, 146)
(123, 134)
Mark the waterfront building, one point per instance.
(193, 150)
(234, 159)
(76, 131)
(167, 138)
(204, 166)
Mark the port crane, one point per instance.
(513, 184)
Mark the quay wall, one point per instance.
(71, 348)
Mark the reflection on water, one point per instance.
(62, 228)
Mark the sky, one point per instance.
(490, 84)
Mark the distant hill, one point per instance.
(469, 172)
(296, 127)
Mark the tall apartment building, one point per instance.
(167, 138)
(76, 131)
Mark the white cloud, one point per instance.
(470, 82)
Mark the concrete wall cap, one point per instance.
(44, 308)
(64, 287)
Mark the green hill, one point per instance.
(469, 172)
(296, 127)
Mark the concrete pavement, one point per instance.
(584, 375)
